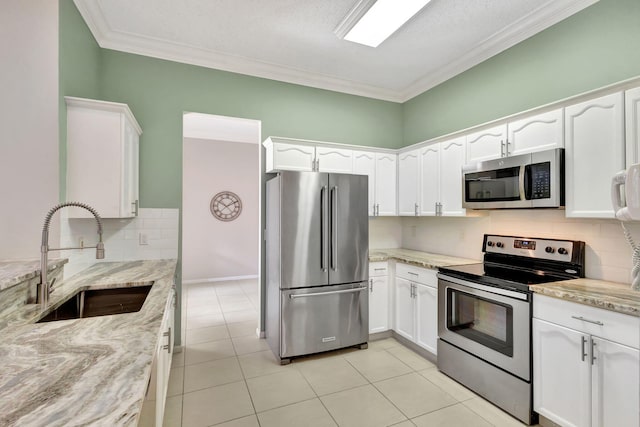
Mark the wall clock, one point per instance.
(226, 206)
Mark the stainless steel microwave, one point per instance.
(534, 180)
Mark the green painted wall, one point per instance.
(79, 71)
(593, 48)
(158, 92)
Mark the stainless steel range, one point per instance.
(484, 316)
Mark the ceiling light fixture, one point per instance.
(371, 22)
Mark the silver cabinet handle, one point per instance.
(378, 209)
(315, 294)
(415, 209)
(412, 273)
(507, 147)
(168, 346)
(595, 322)
(323, 228)
(593, 352)
(370, 285)
(318, 165)
(501, 148)
(379, 269)
(583, 344)
(134, 210)
(374, 209)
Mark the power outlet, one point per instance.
(143, 239)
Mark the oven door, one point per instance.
(493, 324)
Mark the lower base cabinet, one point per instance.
(416, 306)
(586, 365)
(378, 304)
(161, 368)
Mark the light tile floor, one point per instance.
(228, 377)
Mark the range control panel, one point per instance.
(557, 250)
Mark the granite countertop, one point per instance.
(417, 258)
(13, 272)
(91, 371)
(612, 296)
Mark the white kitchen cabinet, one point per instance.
(378, 297)
(381, 170)
(408, 182)
(583, 358)
(632, 125)
(451, 162)
(536, 133)
(486, 144)
(287, 154)
(102, 158)
(404, 309)
(595, 151)
(429, 181)
(416, 305)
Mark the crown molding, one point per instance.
(538, 20)
(543, 17)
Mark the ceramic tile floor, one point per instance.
(228, 377)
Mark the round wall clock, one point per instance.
(226, 206)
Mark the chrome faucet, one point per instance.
(44, 288)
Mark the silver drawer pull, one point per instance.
(315, 294)
(379, 269)
(413, 274)
(595, 322)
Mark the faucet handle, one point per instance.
(51, 284)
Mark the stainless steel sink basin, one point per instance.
(100, 302)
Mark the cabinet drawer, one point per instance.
(417, 274)
(378, 269)
(617, 327)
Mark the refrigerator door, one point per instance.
(304, 222)
(321, 319)
(349, 229)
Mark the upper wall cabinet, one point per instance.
(595, 151)
(381, 170)
(536, 133)
(102, 158)
(408, 182)
(632, 122)
(284, 154)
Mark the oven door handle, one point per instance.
(484, 288)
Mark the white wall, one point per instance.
(608, 256)
(29, 123)
(214, 249)
(121, 238)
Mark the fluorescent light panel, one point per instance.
(383, 19)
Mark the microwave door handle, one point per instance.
(528, 184)
(521, 181)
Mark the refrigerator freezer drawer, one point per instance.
(323, 318)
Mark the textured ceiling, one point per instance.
(293, 40)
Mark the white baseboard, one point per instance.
(219, 279)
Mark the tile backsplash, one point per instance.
(608, 256)
(123, 238)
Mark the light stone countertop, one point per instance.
(611, 296)
(417, 258)
(91, 371)
(13, 272)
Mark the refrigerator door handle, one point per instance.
(317, 294)
(323, 228)
(334, 228)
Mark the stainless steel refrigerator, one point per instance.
(317, 266)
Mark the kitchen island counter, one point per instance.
(91, 371)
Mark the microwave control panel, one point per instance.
(541, 180)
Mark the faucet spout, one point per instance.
(45, 287)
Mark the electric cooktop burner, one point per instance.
(516, 262)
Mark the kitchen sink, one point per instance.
(100, 302)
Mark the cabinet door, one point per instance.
(408, 178)
(386, 180)
(594, 138)
(429, 179)
(130, 190)
(378, 304)
(615, 386)
(291, 157)
(404, 324)
(632, 124)
(427, 317)
(334, 160)
(451, 162)
(540, 132)
(486, 144)
(364, 163)
(561, 374)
